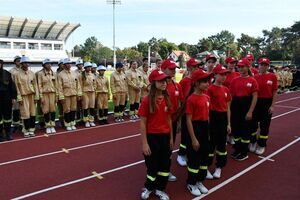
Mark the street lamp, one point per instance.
(114, 3)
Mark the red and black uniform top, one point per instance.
(176, 96)
(198, 107)
(219, 97)
(230, 76)
(243, 86)
(267, 84)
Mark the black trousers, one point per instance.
(261, 118)
(241, 128)
(197, 160)
(184, 135)
(158, 163)
(5, 113)
(217, 138)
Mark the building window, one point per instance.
(4, 45)
(33, 46)
(58, 47)
(19, 45)
(45, 46)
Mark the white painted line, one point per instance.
(272, 160)
(290, 99)
(281, 106)
(81, 180)
(217, 187)
(70, 149)
(286, 113)
(69, 132)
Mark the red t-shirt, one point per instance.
(198, 107)
(254, 71)
(185, 84)
(230, 77)
(267, 84)
(243, 86)
(157, 122)
(176, 96)
(219, 97)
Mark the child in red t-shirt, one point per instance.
(244, 97)
(197, 109)
(157, 140)
(219, 123)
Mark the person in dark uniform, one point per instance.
(8, 95)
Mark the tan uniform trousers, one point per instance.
(119, 98)
(134, 96)
(27, 107)
(102, 101)
(88, 100)
(49, 102)
(70, 104)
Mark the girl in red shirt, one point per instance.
(219, 124)
(244, 96)
(157, 140)
(268, 86)
(197, 109)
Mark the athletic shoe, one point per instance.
(194, 190)
(87, 125)
(48, 131)
(260, 150)
(202, 188)
(92, 124)
(230, 140)
(26, 134)
(121, 120)
(53, 130)
(241, 157)
(252, 147)
(172, 178)
(73, 127)
(181, 160)
(162, 195)
(136, 116)
(69, 128)
(132, 117)
(235, 154)
(217, 173)
(117, 120)
(31, 134)
(209, 176)
(146, 193)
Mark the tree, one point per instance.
(130, 54)
(142, 47)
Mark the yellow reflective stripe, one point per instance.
(211, 155)
(163, 173)
(254, 134)
(203, 167)
(237, 139)
(263, 137)
(195, 171)
(19, 98)
(221, 153)
(61, 97)
(182, 146)
(151, 178)
(7, 121)
(245, 141)
(1, 122)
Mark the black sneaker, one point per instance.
(241, 157)
(235, 154)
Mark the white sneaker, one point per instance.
(162, 195)
(230, 140)
(92, 124)
(48, 131)
(69, 128)
(146, 193)
(31, 134)
(132, 117)
(260, 150)
(217, 173)
(117, 120)
(73, 127)
(202, 188)
(194, 190)
(121, 120)
(136, 116)
(53, 130)
(209, 176)
(252, 147)
(26, 134)
(181, 160)
(172, 178)
(87, 125)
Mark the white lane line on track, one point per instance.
(82, 179)
(217, 187)
(281, 106)
(69, 132)
(289, 99)
(69, 149)
(272, 160)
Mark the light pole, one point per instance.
(114, 2)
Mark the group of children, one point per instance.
(208, 104)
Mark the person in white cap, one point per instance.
(88, 80)
(94, 68)
(16, 108)
(47, 89)
(103, 94)
(28, 94)
(59, 104)
(61, 66)
(78, 71)
(69, 90)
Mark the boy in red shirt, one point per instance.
(157, 140)
(219, 122)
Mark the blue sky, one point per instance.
(176, 20)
